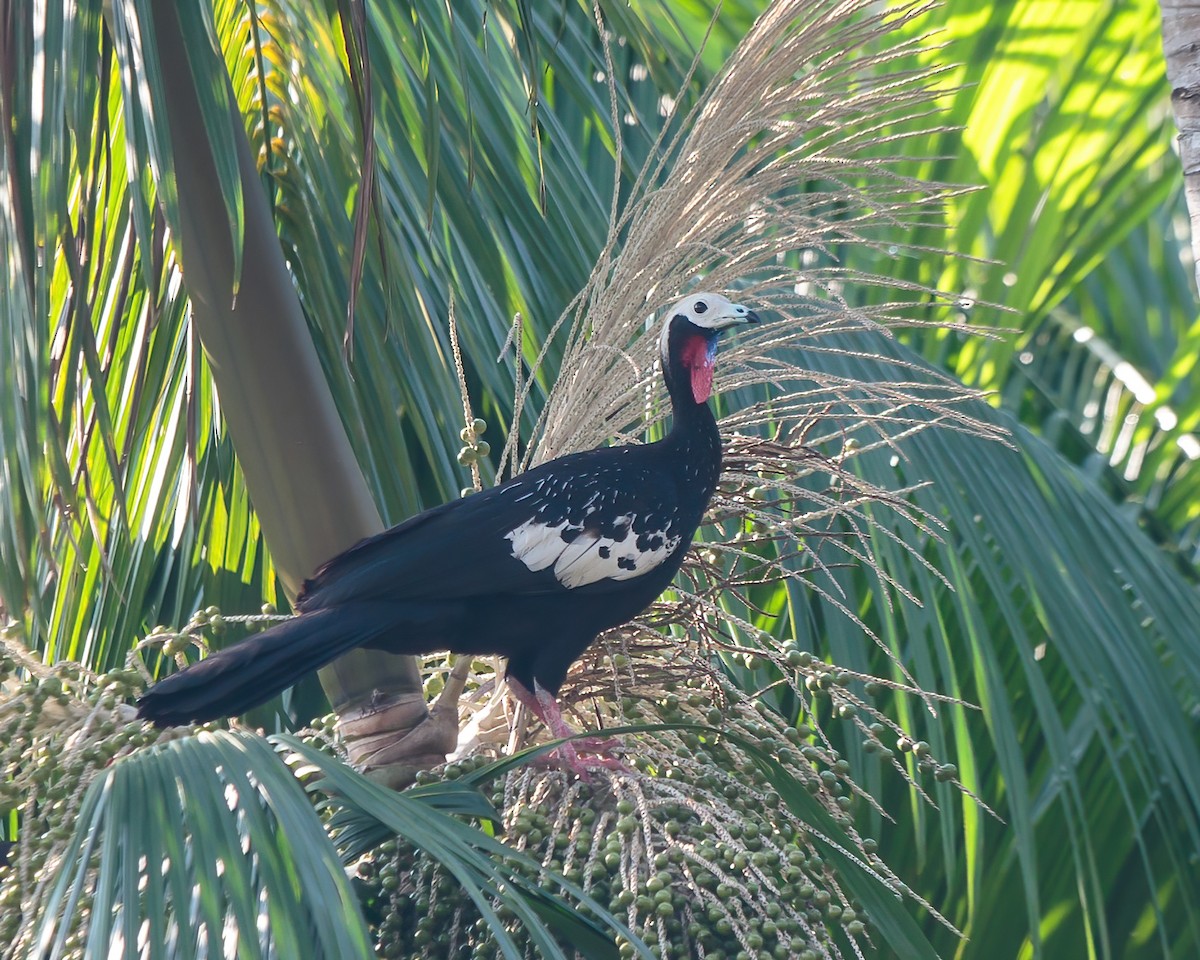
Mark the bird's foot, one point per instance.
(602, 746)
(579, 756)
(581, 761)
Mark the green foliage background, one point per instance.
(1073, 619)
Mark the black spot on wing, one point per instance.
(570, 533)
(605, 551)
(616, 528)
(627, 563)
(649, 542)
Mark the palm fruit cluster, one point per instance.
(59, 727)
(694, 850)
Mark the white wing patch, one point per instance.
(537, 545)
(584, 557)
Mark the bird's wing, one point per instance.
(589, 520)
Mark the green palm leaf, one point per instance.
(199, 838)
(211, 840)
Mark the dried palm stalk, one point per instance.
(785, 160)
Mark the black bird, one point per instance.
(532, 569)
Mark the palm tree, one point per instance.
(160, 332)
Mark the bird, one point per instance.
(533, 569)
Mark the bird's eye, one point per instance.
(700, 306)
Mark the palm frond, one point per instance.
(1061, 637)
(210, 840)
(189, 844)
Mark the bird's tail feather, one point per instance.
(233, 680)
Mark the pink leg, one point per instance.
(546, 709)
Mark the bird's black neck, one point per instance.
(692, 423)
(694, 438)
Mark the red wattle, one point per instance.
(696, 358)
(702, 377)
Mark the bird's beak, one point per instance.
(738, 314)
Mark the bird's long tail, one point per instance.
(233, 680)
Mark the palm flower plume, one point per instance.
(782, 162)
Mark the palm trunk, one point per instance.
(1181, 41)
(306, 485)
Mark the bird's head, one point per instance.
(689, 337)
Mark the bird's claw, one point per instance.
(567, 755)
(584, 757)
(596, 745)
